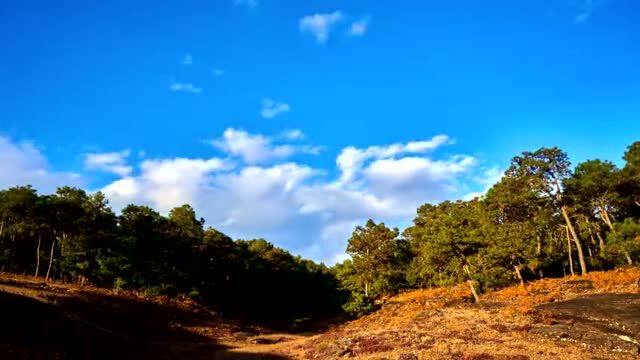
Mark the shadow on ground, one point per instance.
(96, 326)
(609, 321)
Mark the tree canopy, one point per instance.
(543, 218)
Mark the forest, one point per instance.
(544, 218)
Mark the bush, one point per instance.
(358, 305)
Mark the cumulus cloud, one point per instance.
(255, 190)
(251, 148)
(320, 25)
(24, 164)
(165, 183)
(272, 108)
(386, 181)
(246, 202)
(185, 87)
(113, 162)
(359, 28)
(257, 148)
(217, 72)
(300, 207)
(351, 159)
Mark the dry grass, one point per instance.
(431, 324)
(445, 324)
(523, 299)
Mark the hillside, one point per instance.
(592, 317)
(57, 321)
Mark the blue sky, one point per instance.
(296, 120)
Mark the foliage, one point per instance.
(624, 240)
(541, 219)
(76, 237)
(376, 252)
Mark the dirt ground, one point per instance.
(592, 317)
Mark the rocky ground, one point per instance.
(592, 317)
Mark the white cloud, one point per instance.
(586, 9)
(185, 87)
(271, 108)
(24, 164)
(320, 25)
(217, 72)
(293, 134)
(113, 162)
(165, 183)
(306, 209)
(251, 148)
(351, 159)
(187, 59)
(359, 28)
(248, 3)
(257, 148)
(489, 178)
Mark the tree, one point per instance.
(144, 240)
(625, 240)
(446, 240)
(629, 187)
(545, 170)
(592, 188)
(520, 221)
(373, 249)
(18, 222)
(71, 226)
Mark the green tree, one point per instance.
(544, 171)
(446, 240)
(374, 250)
(592, 188)
(17, 214)
(625, 240)
(629, 187)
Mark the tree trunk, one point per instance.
(569, 251)
(605, 217)
(587, 244)
(1, 245)
(53, 246)
(539, 247)
(583, 264)
(366, 289)
(600, 240)
(629, 260)
(518, 274)
(12, 251)
(593, 241)
(471, 284)
(38, 255)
